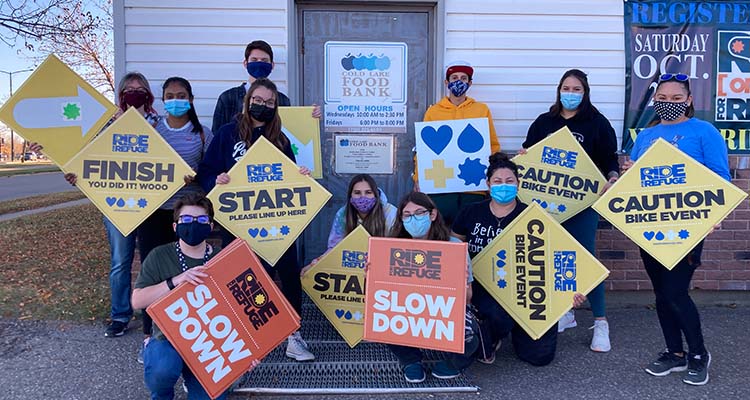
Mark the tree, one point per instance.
(88, 50)
(31, 20)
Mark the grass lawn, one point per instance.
(55, 266)
(33, 202)
(27, 168)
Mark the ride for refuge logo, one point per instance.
(733, 76)
(418, 263)
(663, 175)
(353, 259)
(129, 143)
(264, 173)
(563, 158)
(565, 271)
(247, 291)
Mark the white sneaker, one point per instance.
(600, 341)
(296, 348)
(568, 320)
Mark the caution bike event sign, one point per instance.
(667, 202)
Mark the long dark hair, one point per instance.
(135, 76)
(438, 229)
(585, 109)
(374, 222)
(197, 127)
(689, 112)
(501, 160)
(272, 129)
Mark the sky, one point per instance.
(12, 62)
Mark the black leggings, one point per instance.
(287, 267)
(155, 231)
(677, 313)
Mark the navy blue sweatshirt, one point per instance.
(595, 134)
(225, 150)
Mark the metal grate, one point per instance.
(337, 369)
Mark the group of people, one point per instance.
(172, 242)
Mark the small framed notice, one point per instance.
(364, 154)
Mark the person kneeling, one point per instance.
(166, 267)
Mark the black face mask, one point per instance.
(261, 113)
(193, 233)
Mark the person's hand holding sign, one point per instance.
(222, 179)
(193, 275)
(578, 299)
(305, 171)
(188, 179)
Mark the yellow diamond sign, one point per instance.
(304, 132)
(533, 269)
(128, 171)
(267, 202)
(557, 174)
(58, 109)
(667, 202)
(336, 285)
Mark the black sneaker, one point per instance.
(116, 329)
(697, 371)
(667, 363)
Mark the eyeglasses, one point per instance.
(188, 219)
(270, 103)
(676, 77)
(418, 213)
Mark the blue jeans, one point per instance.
(162, 366)
(583, 227)
(121, 261)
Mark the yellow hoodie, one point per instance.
(470, 108)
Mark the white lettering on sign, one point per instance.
(415, 304)
(203, 329)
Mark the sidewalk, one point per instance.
(9, 216)
(62, 360)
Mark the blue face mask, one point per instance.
(177, 107)
(418, 225)
(259, 69)
(458, 88)
(570, 100)
(503, 193)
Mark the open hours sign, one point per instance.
(667, 202)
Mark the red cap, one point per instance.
(459, 66)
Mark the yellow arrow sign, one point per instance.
(557, 174)
(667, 202)
(534, 268)
(304, 132)
(336, 285)
(128, 171)
(57, 109)
(267, 201)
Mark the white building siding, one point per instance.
(521, 48)
(202, 41)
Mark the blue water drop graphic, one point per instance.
(659, 236)
(121, 202)
(348, 315)
(470, 140)
(263, 232)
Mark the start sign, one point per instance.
(534, 268)
(267, 202)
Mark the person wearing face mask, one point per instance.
(259, 63)
(166, 267)
(457, 105)
(367, 206)
(676, 311)
(134, 91)
(419, 218)
(479, 223)
(595, 134)
(183, 131)
(259, 117)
